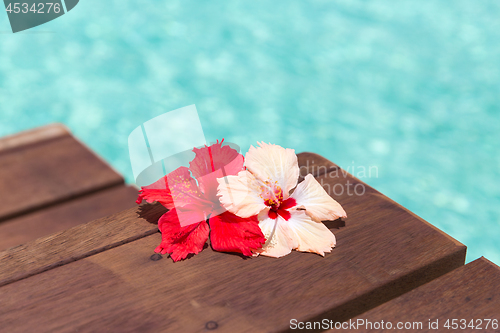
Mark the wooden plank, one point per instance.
(84, 240)
(383, 251)
(57, 218)
(37, 135)
(314, 164)
(122, 290)
(47, 166)
(471, 292)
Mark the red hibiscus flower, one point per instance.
(192, 202)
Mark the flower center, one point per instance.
(272, 194)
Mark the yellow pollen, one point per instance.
(271, 193)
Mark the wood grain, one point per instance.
(131, 293)
(58, 249)
(383, 251)
(469, 292)
(314, 164)
(47, 166)
(29, 227)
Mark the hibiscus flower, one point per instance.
(195, 210)
(287, 221)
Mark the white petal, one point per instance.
(275, 163)
(310, 236)
(318, 204)
(264, 214)
(281, 242)
(240, 194)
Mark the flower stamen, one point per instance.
(272, 194)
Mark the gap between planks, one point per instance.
(82, 195)
(21, 154)
(67, 215)
(79, 242)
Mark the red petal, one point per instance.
(211, 158)
(231, 233)
(180, 241)
(288, 203)
(284, 214)
(193, 213)
(214, 162)
(158, 191)
(177, 189)
(283, 209)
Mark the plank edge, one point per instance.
(378, 193)
(71, 259)
(33, 136)
(400, 285)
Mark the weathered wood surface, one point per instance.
(47, 166)
(33, 136)
(314, 164)
(383, 251)
(471, 292)
(43, 222)
(84, 240)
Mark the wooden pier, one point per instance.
(77, 257)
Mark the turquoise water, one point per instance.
(410, 87)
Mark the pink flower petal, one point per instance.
(176, 189)
(193, 213)
(213, 162)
